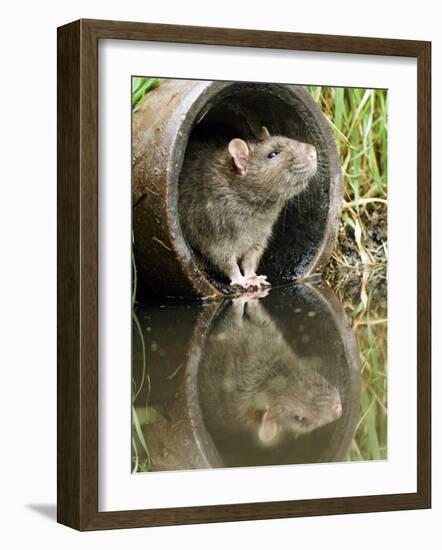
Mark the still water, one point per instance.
(260, 380)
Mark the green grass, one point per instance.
(140, 452)
(357, 272)
(370, 440)
(140, 87)
(358, 119)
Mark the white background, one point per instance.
(27, 299)
(118, 489)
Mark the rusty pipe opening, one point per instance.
(179, 111)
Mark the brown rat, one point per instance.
(231, 194)
(252, 380)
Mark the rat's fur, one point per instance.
(231, 194)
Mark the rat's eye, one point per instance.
(299, 418)
(273, 154)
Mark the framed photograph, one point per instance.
(243, 237)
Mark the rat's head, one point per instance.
(298, 404)
(276, 164)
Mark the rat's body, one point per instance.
(231, 194)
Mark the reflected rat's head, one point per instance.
(298, 408)
(275, 163)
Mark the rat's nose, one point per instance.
(310, 152)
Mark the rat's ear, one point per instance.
(268, 429)
(264, 134)
(240, 153)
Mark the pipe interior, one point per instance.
(240, 111)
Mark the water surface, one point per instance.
(258, 380)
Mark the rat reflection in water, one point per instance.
(251, 378)
(266, 379)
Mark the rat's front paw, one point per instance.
(263, 280)
(241, 281)
(258, 281)
(251, 283)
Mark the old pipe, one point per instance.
(305, 233)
